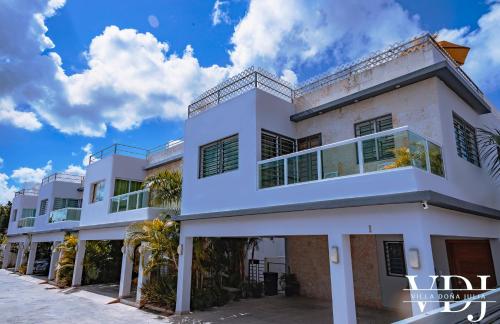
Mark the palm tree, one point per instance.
(165, 188)
(64, 271)
(489, 147)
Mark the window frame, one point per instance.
(475, 148)
(278, 137)
(14, 215)
(387, 261)
(93, 187)
(129, 186)
(220, 152)
(378, 155)
(44, 204)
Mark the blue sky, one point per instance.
(70, 80)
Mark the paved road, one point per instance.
(25, 300)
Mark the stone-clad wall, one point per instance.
(308, 258)
(175, 165)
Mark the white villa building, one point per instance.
(371, 173)
(353, 180)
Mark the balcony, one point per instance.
(27, 192)
(63, 177)
(379, 152)
(65, 214)
(118, 149)
(26, 222)
(136, 200)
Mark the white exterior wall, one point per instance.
(50, 191)
(108, 169)
(19, 203)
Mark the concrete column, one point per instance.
(20, 256)
(31, 258)
(343, 301)
(6, 256)
(183, 304)
(54, 260)
(142, 278)
(420, 264)
(78, 269)
(126, 273)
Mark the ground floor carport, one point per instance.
(43, 248)
(14, 252)
(351, 237)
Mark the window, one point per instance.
(380, 148)
(28, 212)
(14, 215)
(126, 186)
(43, 207)
(305, 167)
(60, 203)
(219, 157)
(394, 258)
(97, 192)
(273, 145)
(465, 136)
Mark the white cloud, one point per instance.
(6, 191)
(20, 119)
(75, 169)
(285, 34)
(88, 152)
(29, 176)
(219, 13)
(483, 62)
(1, 162)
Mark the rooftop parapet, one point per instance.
(165, 152)
(27, 192)
(63, 177)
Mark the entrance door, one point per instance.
(470, 258)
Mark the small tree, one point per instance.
(64, 271)
(489, 147)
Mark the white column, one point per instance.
(78, 269)
(31, 258)
(20, 256)
(54, 260)
(6, 256)
(343, 302)
(184, 276)
(420, 263)
(126, 273)
(142, 278)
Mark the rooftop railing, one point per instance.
(257, 78)
(65, 214)
(251, 78)
(26, 222)
(118, 149)
(26, 192)
(165, 151)
(386, 150)
(63, 177)
(136, 200)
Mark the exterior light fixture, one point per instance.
(398, 86)
(414, 258)
(179, 249)
(334, 254)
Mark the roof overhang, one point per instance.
(431, 197)
(442, 70)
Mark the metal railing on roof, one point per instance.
(165, 151)
(258, 78)
(27, 192)
(118, 149)
(251, 78)
(63, 177)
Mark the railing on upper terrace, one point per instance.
(26, 222)
(382, 151)
(137, 200)
(65, 214)
(63, 177)
(119, 149)
(257, 78)
(251, 78)
(26, 192)
(165, 151)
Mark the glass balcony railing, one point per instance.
(65, 214)
(135, 200)
(387, 150)
(26, 222)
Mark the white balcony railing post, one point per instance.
(285, 171)
(319, 164)
(361, 160)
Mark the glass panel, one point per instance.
(391, 151)
(114, 206)
(135, 186)
(122, 204)
(436, 159)
(417, 151)
(271, 174)
(339, 161)
(121, 187)
(144, 199)
(132, 201)
(303, 168)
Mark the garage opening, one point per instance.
(42, 259)
(102, 267)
